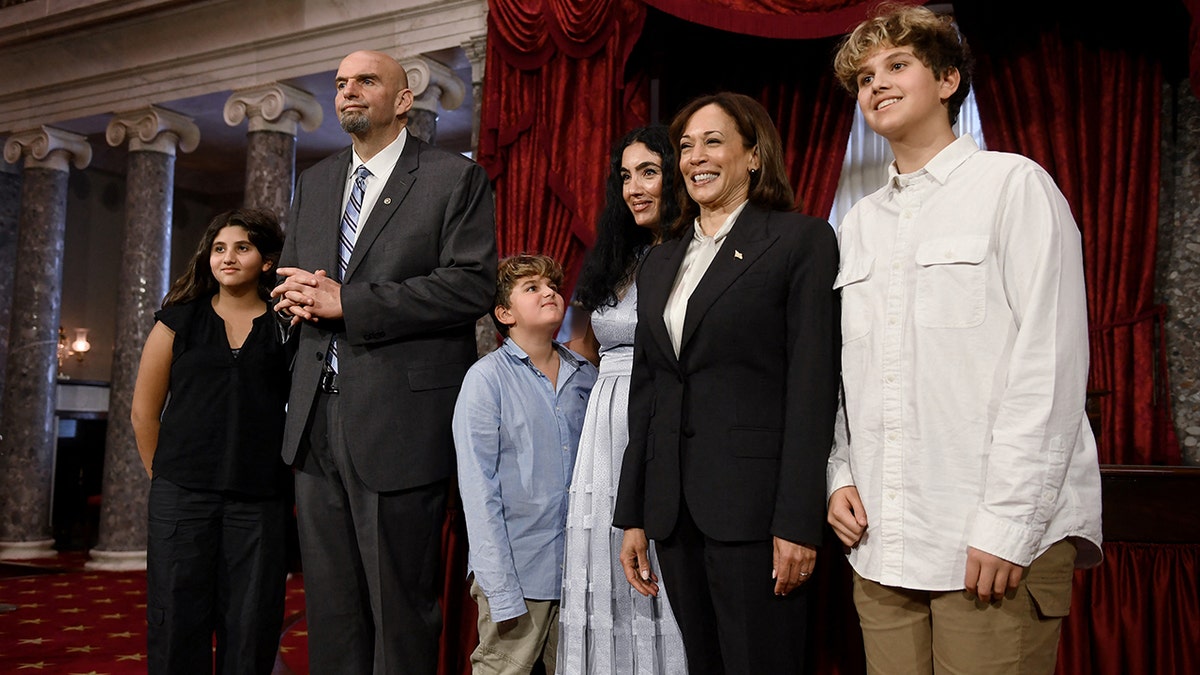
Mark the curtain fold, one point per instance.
(555, 98)
(1091, 117)
(793, 19)
(1137, 614)
(814, 115)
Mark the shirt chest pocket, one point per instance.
(952, 282)
(856, 308)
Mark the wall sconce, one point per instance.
(77, 348)
(81, 345)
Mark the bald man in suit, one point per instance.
(386, 312)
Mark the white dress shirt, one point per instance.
(965, 363)
(700, 253)
(380, 166)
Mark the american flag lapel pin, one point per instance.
(737, 254)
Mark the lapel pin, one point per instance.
(387, 200)
(737, 254)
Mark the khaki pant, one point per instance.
(514, 652)
(919, 632)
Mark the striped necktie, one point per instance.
(348, 234)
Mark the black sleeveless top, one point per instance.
(222, 428)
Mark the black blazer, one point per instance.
(741, 423)
(423, 270)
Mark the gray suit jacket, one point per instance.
(423, 270)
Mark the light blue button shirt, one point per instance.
(516, 439)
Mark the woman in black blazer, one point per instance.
(733, 397)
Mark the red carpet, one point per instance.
(84, 622)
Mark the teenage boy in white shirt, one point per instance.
(964, 478)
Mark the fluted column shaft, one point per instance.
(141, 285)
(27, 432)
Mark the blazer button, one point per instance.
(688, 432)
(320, 356)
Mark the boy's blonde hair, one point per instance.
(934, 39)
(517, 267)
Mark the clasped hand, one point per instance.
(307, 296)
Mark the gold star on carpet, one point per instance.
(91, 672)
(71, 610)
(131, 657)
(35, 666)
(117, 635)
(86, 649)
(26, 580)
(29, 592)
(103, 601)
(124, 581)
(33, 621)
(61, 584)
(66, 596)
(80, 628)
(112, 616)
(33, 641)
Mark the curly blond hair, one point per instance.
(934, 39)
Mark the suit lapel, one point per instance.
(394, 192)
(655, 288)
(331, 191)
(748, 239)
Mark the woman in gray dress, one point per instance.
(607, 627)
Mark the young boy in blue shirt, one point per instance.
(516, 431)
(967, 485)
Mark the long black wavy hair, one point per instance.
(612, 261)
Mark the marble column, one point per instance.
(476, 50)
(10, 204)
(1178, 268)
(432, 84)
(153, 135)
(27, 429)
(274, 111)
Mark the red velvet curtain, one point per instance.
(791, 19)
(813, 114)
(555, 99)
(1137, 614)
(1091, 116)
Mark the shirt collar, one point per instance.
(514, 350)
(698, 233)
(384, 159)
(940, 167)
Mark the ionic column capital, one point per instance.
(476, 51)
(274, 107)
(433, 82)
(154, 129)
(48, 148)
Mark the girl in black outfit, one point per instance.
(218, 497)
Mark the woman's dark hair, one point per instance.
(610, 264)
(262, 228)
(769, 186)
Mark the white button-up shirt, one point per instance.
(699, 256)
(965, 362)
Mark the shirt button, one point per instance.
(890, 379)
(892, 436)
(891, 495)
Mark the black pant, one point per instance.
(214, 566)
(372, 561)
(724, 600)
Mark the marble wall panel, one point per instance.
(1179, 261)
